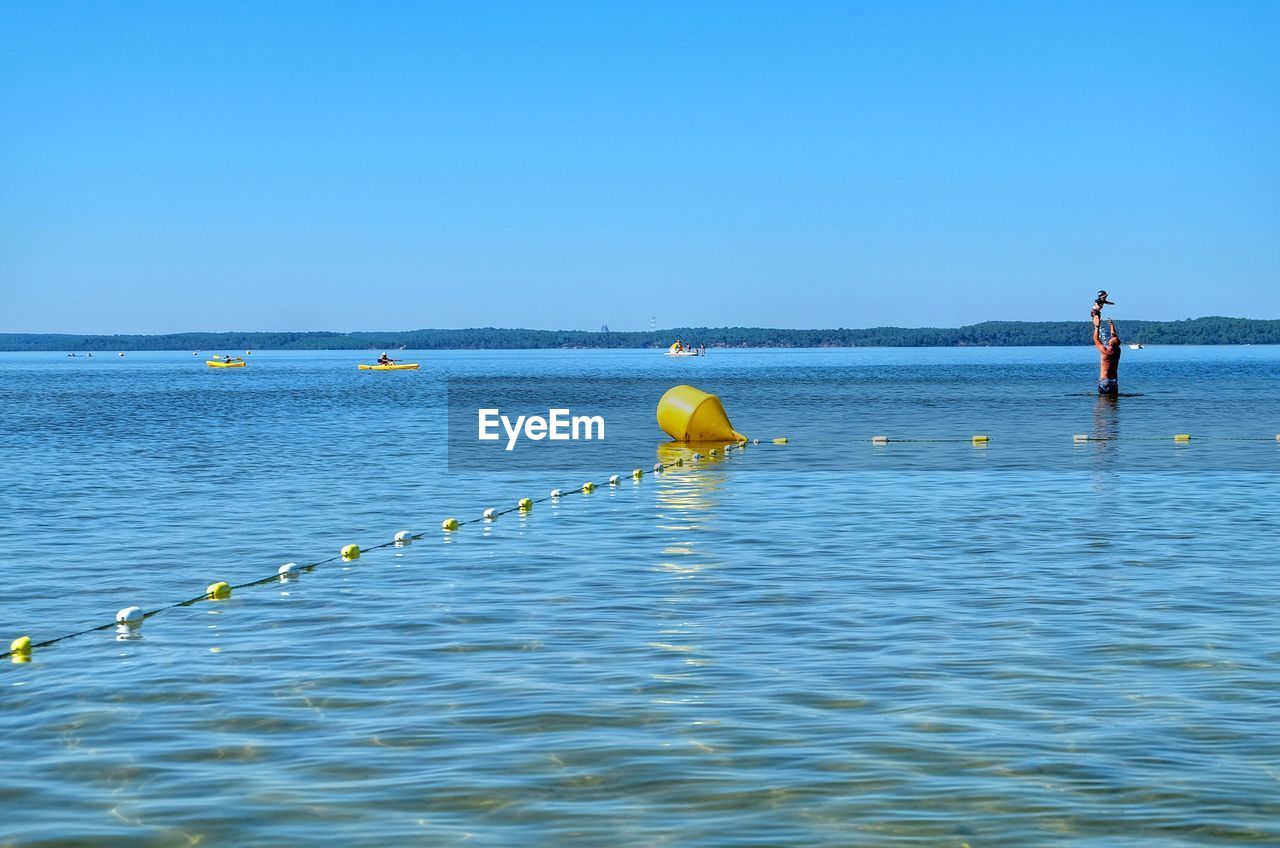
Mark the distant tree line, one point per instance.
(1191, 331)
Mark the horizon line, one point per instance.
(658, 330)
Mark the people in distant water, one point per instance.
(702, 349)
(1108, 373)
(384, 359)
(679, 346)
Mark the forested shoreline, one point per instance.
(1192, 331)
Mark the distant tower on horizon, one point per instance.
(604, 328)
(653, 323)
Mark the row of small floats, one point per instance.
(688, 415)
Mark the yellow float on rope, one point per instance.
(687, 414)
(20, 649)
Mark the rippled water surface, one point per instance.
(1039, 641)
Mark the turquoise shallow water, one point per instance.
(827, 643)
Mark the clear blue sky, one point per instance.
(285, 166)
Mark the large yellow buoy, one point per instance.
(687, 414)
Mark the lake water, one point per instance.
(1039, 641)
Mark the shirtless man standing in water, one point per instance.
(1108, 384)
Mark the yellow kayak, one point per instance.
(218, 363)
(407, 366)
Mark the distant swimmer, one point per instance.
(1108, 380)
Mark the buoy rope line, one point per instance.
(884, 440)
(1081, 437)
(20, 649)
(1177, 437)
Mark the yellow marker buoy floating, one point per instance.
(21, 645)
(525, 504)
(588, 487)
(981, 440)
(687, 414)
(1182, 437)
(637, 473)
(218, 591)
(780, 441)
(449, 524)
(350, 552)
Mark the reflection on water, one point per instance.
(691, 487)
(128, 633)
(1106, 417)
(1106, 430)
(687, 496)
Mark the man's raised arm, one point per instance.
(1097, 342)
